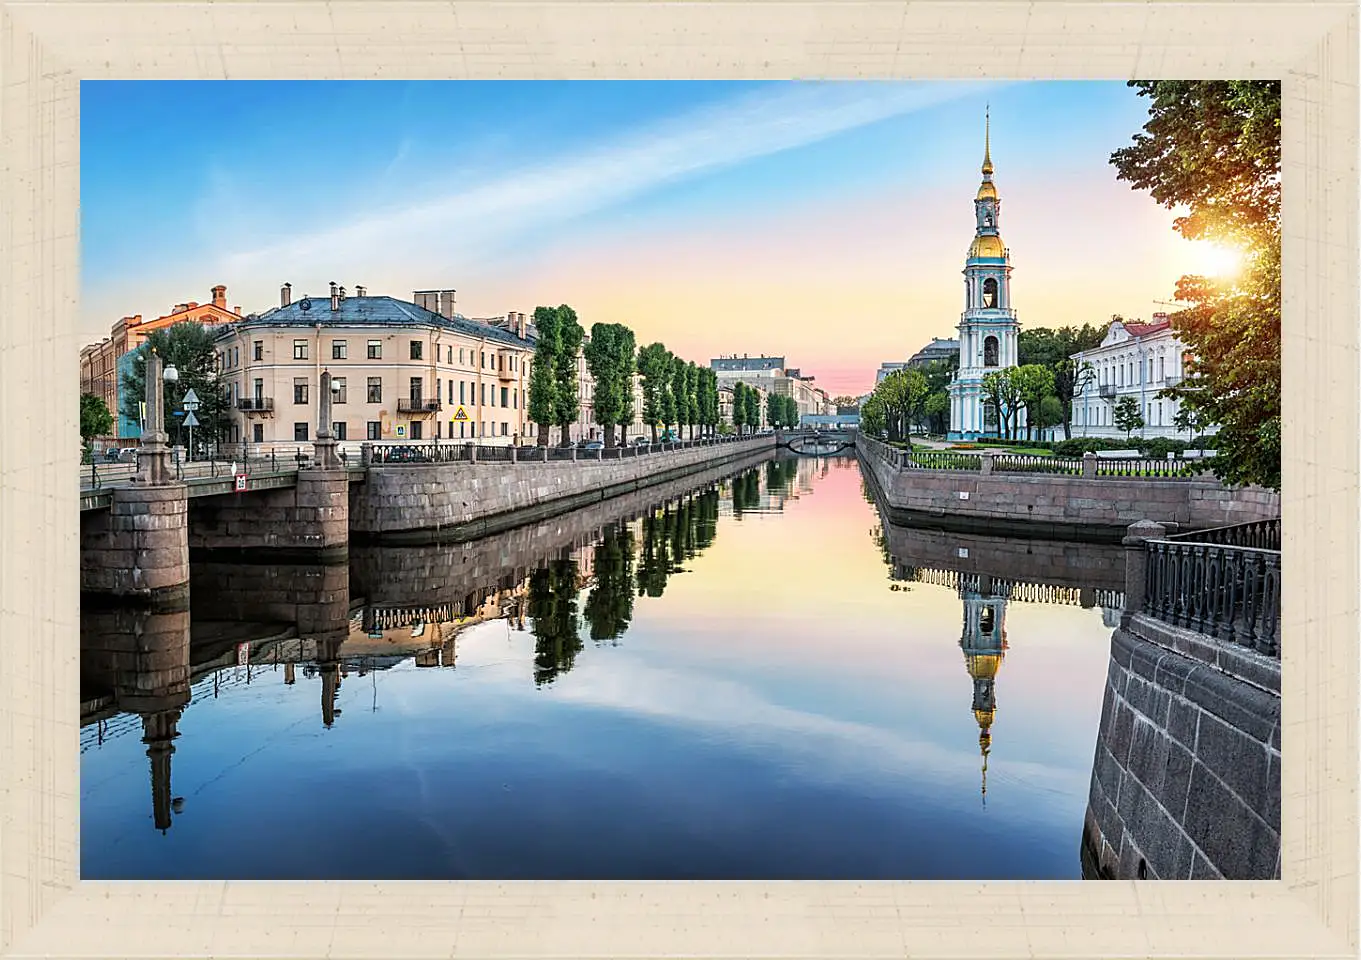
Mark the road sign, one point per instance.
(190, 420)
(401, 431)
(461, 414)
(240, 481)
(190, 401)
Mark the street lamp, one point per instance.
(171, 375)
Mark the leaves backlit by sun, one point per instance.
(1216, 260)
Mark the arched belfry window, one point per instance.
(990, 352)
(985, 621)
(990, 292)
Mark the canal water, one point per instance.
(741, 676)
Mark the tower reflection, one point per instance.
(984, 642)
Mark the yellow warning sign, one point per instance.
(461, 414)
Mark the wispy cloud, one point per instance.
(470, 215)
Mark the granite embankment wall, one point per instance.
(431, 574)
(1189, 747)
(311, 517)
(463, 500)
(1055, 506)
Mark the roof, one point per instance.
(375, 312)
(1143, 329)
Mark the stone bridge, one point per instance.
(816, 443)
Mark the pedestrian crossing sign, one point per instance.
(461, 414)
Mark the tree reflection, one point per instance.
(609, 608)
(673, 534)
(746, 492)
(553, 609)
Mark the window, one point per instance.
(299, 349)
(451, 393)
(505, 428)
(461, 428)
(416, 430)
(375, 430)
(338, 391)
(990, 352)
(259, 349)
(505, 396)
(259, 387)
(299, 389)
(439, 388)
(258, 432)
(338, 431)
(462, 393)
(990, 292)
(460, 355)
(484, 359)
(339, 349)
(300, 431)
(416, 347)
(375, 349)
(417, 387)
(451, 355)
(375, 389)
(515, 398)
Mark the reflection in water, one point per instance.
(815, 734)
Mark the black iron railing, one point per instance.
(1229, 592)
(1261, 534)
(417, 405)
(255, 404)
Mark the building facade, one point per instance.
(988, 327)
(103, 364)
(937, 350)
(1134, 360)
(400, 371)
(770, 375)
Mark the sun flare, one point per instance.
(1209, 259)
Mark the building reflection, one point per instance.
(984, 642)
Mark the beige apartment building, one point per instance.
(401, 371)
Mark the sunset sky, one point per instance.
(825, 222)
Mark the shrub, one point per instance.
(1077, 446)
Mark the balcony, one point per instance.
(503, 370)
(1107, 391)
(1172, 380)
(418, 405)
(260, 405)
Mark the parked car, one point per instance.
(642, 442)
(121, 454)
(593, 445)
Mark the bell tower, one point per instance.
(988, 327)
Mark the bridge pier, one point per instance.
(312, 517)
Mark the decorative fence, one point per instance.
(1023, 463)
(1232, 593)
(986, 463)
(1146, 469)
(1261, 534)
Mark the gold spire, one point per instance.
(987, 145)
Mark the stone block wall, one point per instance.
(311, 516)
(1060, 507)
(430, 574)
(475, 499)
(139, 546)
(1186, 782)
(313, 597)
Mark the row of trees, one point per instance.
(676, 392)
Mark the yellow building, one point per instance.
(401, 371)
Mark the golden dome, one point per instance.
(986, 191)
(984, 666)
(988, 245)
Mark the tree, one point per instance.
(752, 407)
(552, 603)
(191, 348)
(1070, 380)
(1213, 148)
(609, 606)
(95, 420)
(708, 400)
(844, 400)
(1192, 420)
(1050, 413)
(1003, 391)
(1127, 416)
(692, 377)
(902, 395)
(566, 403)
(609, 355)
(543, 386)
(655, 368)
(873, 419)
(1054, 349)
(1035, 382)
(937, 410)
(668, 390)
(739, 406)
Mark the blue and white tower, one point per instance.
(988, 326)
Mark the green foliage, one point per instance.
(668, 390)
(898, 401)
(543, 387)
(1003, 389)
(609, 355)
(1127, 416)
(1050, 412)
(95, 418)
(1213, 148)
(654, 365)
(566, 403)
(191, 349)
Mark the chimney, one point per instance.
(1159, 317)
(335, 296)
(342, 293)
(520, 325)
(220, 297)
(285, 294)
(237, 310)
(446, 303)
(359, 291)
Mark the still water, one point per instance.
(738, 676)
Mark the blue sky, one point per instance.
(824, 221)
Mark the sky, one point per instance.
(823, 222)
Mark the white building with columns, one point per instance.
(988, 327)
(1136, 360)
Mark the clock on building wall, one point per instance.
(305, 304)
